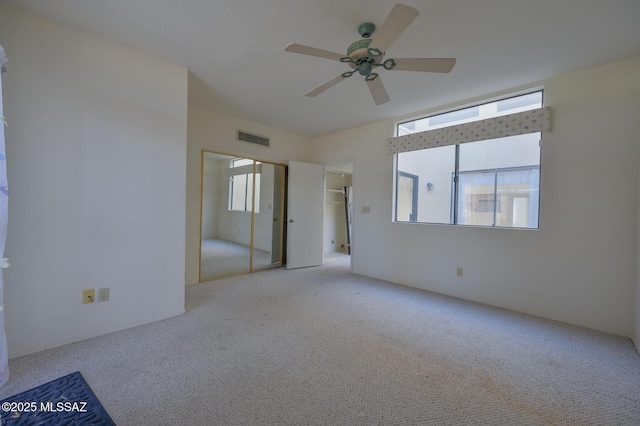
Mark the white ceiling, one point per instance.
(235, 49)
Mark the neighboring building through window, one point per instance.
(486, 183)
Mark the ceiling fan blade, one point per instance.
(312, 51)
(328, 85)
(378, 91)
(398, 20)
(443, 65)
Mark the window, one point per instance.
(241, 185)
(490, 182)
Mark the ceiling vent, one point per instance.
(248, 137)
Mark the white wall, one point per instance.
(216, 131)
(579, 267)
(96, 151)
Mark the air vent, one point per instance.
(248, 137)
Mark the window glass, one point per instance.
(434, 169)
(505, 106)
(238, 192)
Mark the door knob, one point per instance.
(275, 219)
(291, 220)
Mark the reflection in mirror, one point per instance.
(267, 251)
(228, 231)
(226, 223)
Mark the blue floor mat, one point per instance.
(65, 401)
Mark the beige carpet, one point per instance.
(319, 346)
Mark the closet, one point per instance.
(242, 215)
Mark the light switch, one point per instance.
(366, 209)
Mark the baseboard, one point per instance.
(16, 353)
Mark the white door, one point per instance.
(305, 207)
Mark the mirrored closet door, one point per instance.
(241, 216)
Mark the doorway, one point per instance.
(338, 210)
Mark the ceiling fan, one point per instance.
(367, 55)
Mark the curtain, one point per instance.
(4, 203)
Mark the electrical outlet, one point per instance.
(88, 296)
(459, 271)
(103, 294)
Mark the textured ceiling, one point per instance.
(235, 49)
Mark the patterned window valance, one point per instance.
(533, 121)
